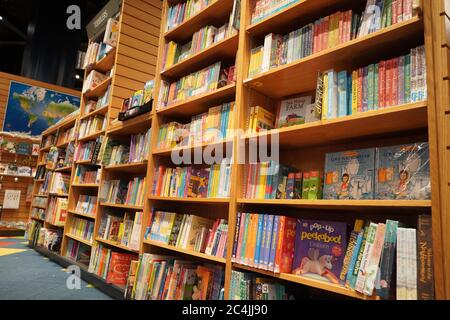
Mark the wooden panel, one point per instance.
(138, 44)
(156, 3)
(445, 25)
(121, 92)
(146, 27)
(445, 51)
(128, 83)
(135, 64)
(133, 74)
(141, 35)
(137, 54)
(143, 11)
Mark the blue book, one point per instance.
(332, 95)
(263, 241)
(236, 235)
(351, 266)
(273, 243)
(342, 93)
(365, 97)
(258, 240)
(270, 221)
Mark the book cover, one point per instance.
(425, 273)
(119, 267)
(319, 249)
(293, 111)
(285, 245)
(403, 172)
(349, 174)
(384, 284)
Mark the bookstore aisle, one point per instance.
(27, 275)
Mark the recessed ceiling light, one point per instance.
(1, 18)
(77, 77)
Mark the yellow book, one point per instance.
(216, 178)
(325, 96)
(263, 119)
(262, 180)
(354, 92)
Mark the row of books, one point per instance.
(82, 228)
(13, 169)
(86, 204)
(206, 80)
(85, 175)
(38, 213)
(88, 150)
(56, 211)
(189, 232)
(207, 127)
(247, 286)
(40, 202)
(56, 183)
(78, 252)
(271, 180)
(60, 158)
(183, 11)
(168, 278)
(201, 39)
(137, 151)
(130, 192)
(111, 265)
(388, 83)
(324, 33)
(140, 97)
(66, 136)
(181, 182)
(98, 103)
(94, 79)
(91, 126)
(265, 8)
(41, 172)
(124, 230)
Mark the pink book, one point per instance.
(382, 84)
(388, 95)
(394, 92)
(241, 233)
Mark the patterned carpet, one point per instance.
(27, 275)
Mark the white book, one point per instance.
(136, 232)
(361, 278)
(186, 231)
(411, 274)
(374, 260)
(182, 227)
(401, 264)
(266, 52)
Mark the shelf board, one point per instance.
(65, 143)
(99, 90)
(15, 176)
(87, 242)
(185, 251)
(124, 206)
(85, 185)
(389, 120)
(301, 75)
(199, 103)
(105, 64)
(87, 162)
(136, 167)
(39, 180)
(102, 111)
(225, 49)
(63, 195)
(38, 207)
(135, 125)
(55, 225)
(114, 244)
(92, 136)
(38, 219)
(63, 169)
(40, 195)
(168, 151)
(308, 282)
(212, 13)
(195, 200)
(81, 214)
(341, 204)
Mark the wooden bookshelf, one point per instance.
(128, 167)
(115, 244)
(99, 90)
(106, 63)
(81, 214)
(79, 239)
(193, 200)
(168, 151)
(85, 185)
(99, 111)
(122, 206)
(92, 136)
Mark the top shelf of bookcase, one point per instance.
(301, 75)
(211, 14)
(105, 64)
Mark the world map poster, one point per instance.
(32, 109)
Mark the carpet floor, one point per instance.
(27, 275)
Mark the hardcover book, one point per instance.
(293, 111)
(403, 172)
(320, 249)
(349, 174)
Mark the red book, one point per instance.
(326, 28)
(341, 27)
(316, 36)
(394, 11)
(285, 245)
(119, 266)
(388, 96)
(382, 84)
(399, 10)
(348, 21)
(360, 89)
(161, 171)
(394, 90)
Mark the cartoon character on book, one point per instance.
(401, 191)
(345, 185)
(316, 264)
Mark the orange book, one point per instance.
(249, 250)
(285, 245)
(118, 269)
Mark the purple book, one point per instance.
(320, 249)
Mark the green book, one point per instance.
(407, 78)
(376, 93)
(370, 83)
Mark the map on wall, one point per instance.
(32, 109)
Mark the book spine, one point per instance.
(374, 260)
(411, 273)
(236, 236)
(401, 264)
(425, 274)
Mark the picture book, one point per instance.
(349, 175)
(320, 249)
(198, 184)
(119, 266)
(403, 172)
(293, 111)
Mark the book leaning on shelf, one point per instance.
(169, 278)
(121, 230)
(57, 211)
(182, 182)
(130, 192)
(189, 232)
(82, 228)
(78, 252)
(86, 204)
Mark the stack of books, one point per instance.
(124, 230)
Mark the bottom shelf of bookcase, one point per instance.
(112, 290)
(335, 288)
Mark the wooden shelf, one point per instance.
(101, 111)
(63, 169)
(63, 195)
(86, 162)
(38, 219)
(185, 251)
(105, 64)
(308, 282)
(139, 124)
(168, 151)
(81, 214)
(389, 120)
(114, 244)
(38, 207)
(85, 185)
(64, 144)
(55, 225)
(123, 206)
(301, 75)
(79, 239)
(92, 136)
(98, 91)
(15, 176)
(225, 49)
(199, 103)
(39, 180)
(213, 13)
(195, 200)
(41, 195)
(136, 167)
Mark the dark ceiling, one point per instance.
(35, 42)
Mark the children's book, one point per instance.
(293, 111)
(403, 172)
(349, 174)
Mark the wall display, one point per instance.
(11, 199)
